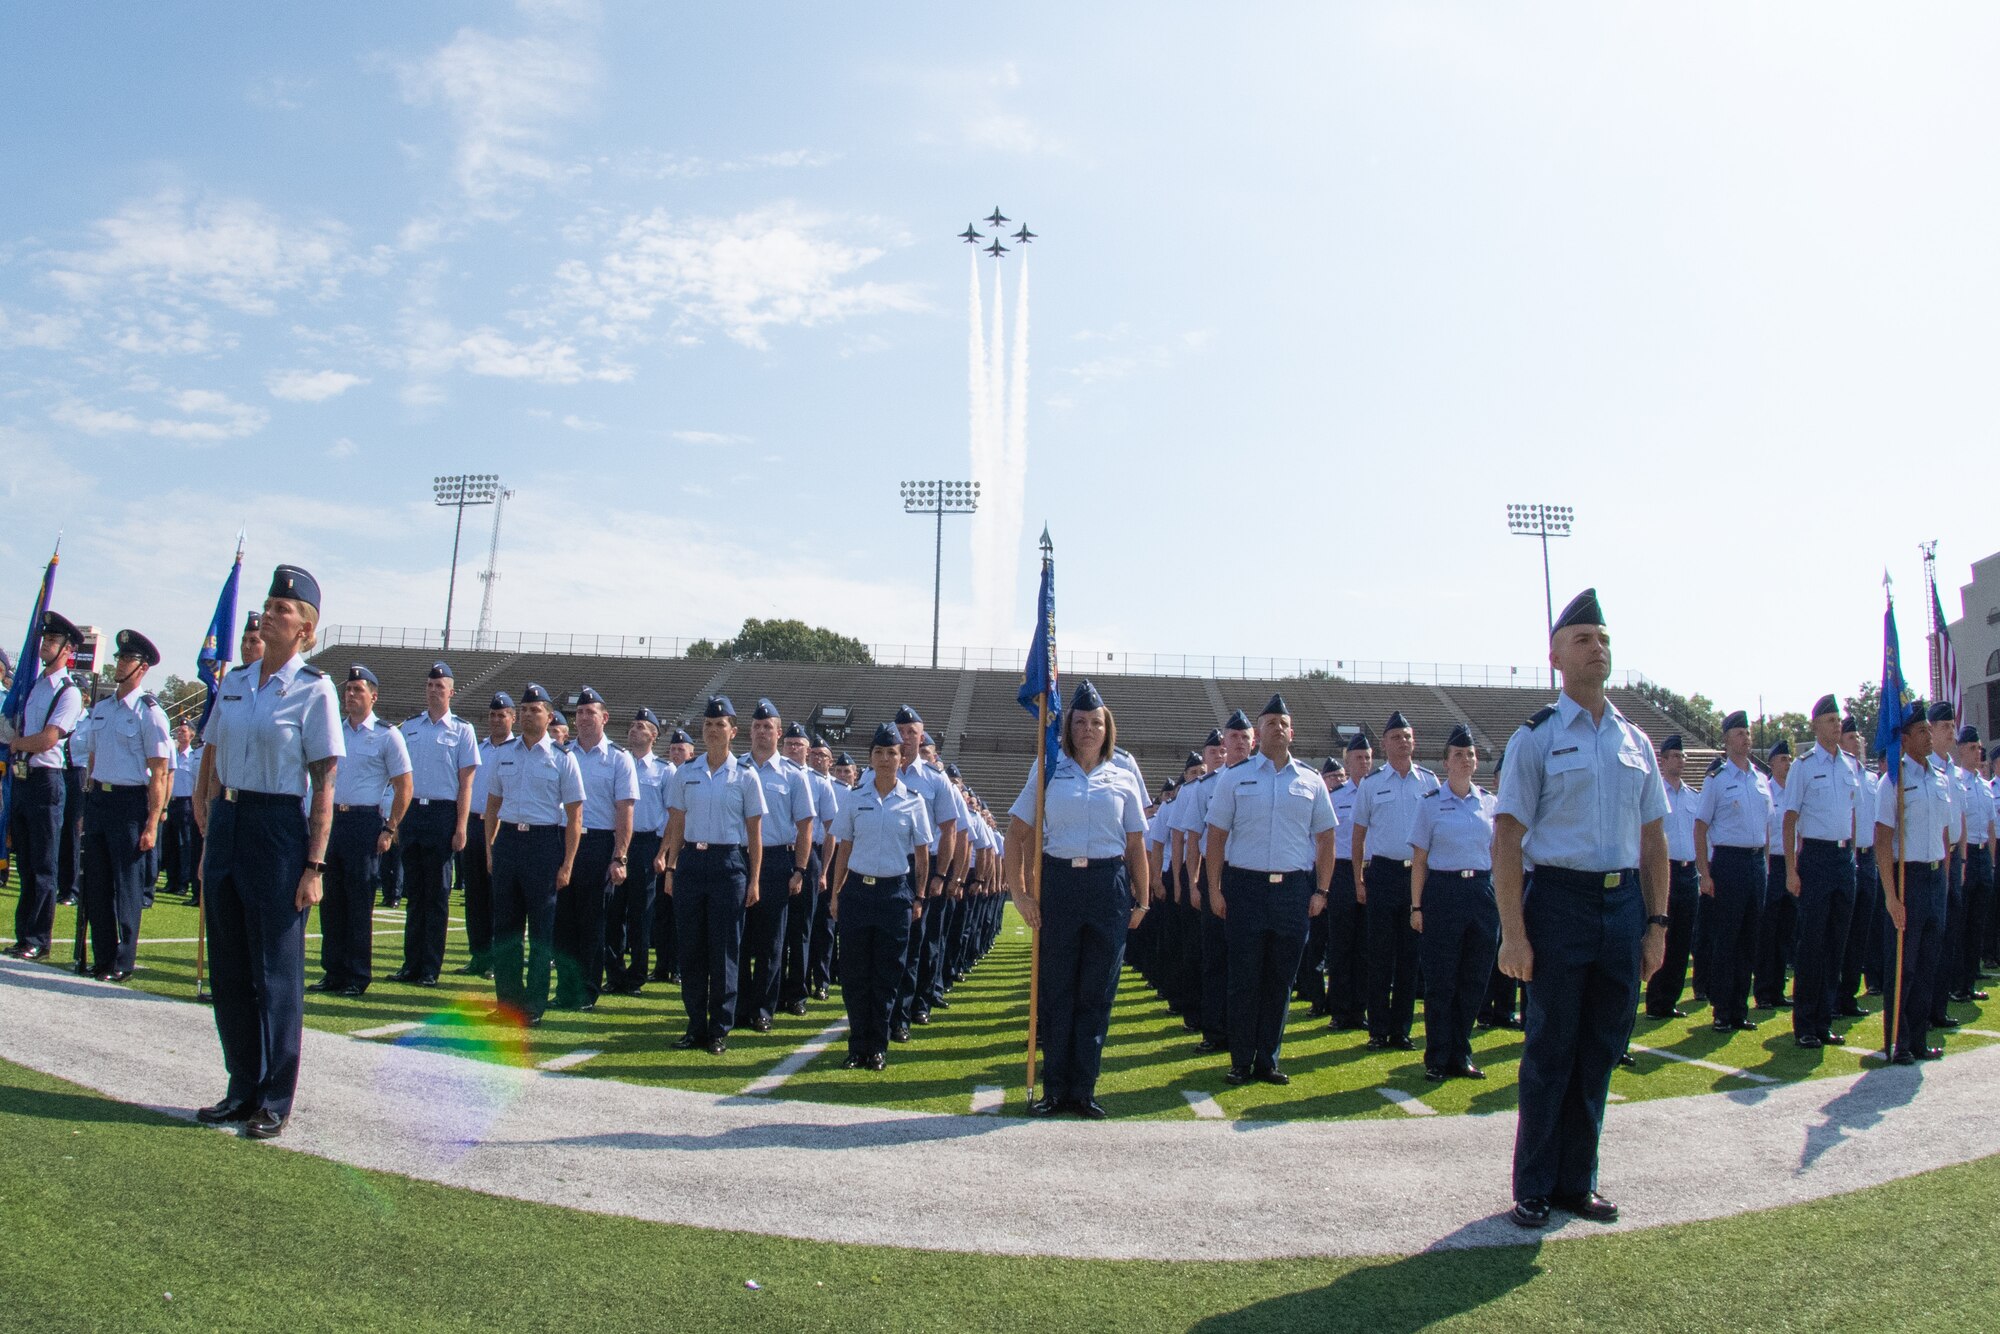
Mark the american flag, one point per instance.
(1947, 660)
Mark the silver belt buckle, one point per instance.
(1467, 875)
(520, 829)
(1277, 877)
(1611, 879)
(701, 847)
(229, 794)
(867, 879)
(21, 770)
(1079, 862)
(104, 787)
(1407, 865)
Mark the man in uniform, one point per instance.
(1913, 822)
(1863, 934)
(787, 833)
(628, 922)
(473, 872)
(534, 824)
(126, 791)
(1663, 989)
(1346, 919)
(1226, 747)
(1730, 823)
(181, 850)
(1962, 968)
(666, 954)
(1944, 727)
(377, 764)
(1822, 796)
(1581, 795)
(444, 752)
(1385, 808)
(947, 821)
(610, 791)
(819, 966)
(1779, 919)
(795, 982)
(53, 710)
(1270, 859)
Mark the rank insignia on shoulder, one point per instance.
(309, 670)
(150, 700)
(1542, 715)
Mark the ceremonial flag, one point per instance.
(1947, 660)
(1039, 693)
(1889, 721)
(218, 647)
(29, 665)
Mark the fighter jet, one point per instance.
(996, 250)
(969, 236)
(1024, 235)
(996, 217)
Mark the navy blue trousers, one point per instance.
(1963, 964)
(1266, 930)
(1863, 938)
(252, 861)
(525, 865)
(819, 967)
(1826, 908)
(800, 917)
(1214, 974)
(1925, 894)
(34, 834)
(1581, 1003)
(1392, 950)
(180, 851)
(628, 919)
(874, 928)
(709, 888)
(1346, 948)
(114, 875)
(579, 924)
(1458, 945)
(1949, 941)
(1663, 989)
(478, 884)
(764, 934)
(1777, 925)
(425, 837)
(347, 906)
(1085, 914)
(1730, 926)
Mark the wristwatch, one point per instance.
(1657, 920)
(316, 866)
(617, 861)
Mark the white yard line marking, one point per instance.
(1980, 1032)
(386, 1030)
(1204, 1106)
(986, 1099)
(1615, 1097)
(568, 1059)
(1408, 1102)
(774, 1079)
(1719, 1068)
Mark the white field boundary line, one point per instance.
(987, 1098)
(568, 1060)
(774, 1079)
(387, 1030)
(1716, 1066)
(1204, 1106)
(1408, 1102)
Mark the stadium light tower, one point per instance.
(939, 498)
(1545, 522)
(470, 488)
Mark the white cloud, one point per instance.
(1133, 357)
(576, 423)
(650, 164)
(277, 92)
(343, 448)
(43, 331)
(710, 438)
(207, 417)
(547, 360)
(231, 251)
(747, 274)
(311, 386)
(160, 333)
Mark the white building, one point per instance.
(1975, 642)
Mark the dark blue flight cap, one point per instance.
(1214, 738)
(359, 673)
(1193, 760)
(887, 735)
(588, 695)
(1913, 713)
(719, 707)
(848, 760)
(1238, 721)
(1673, 742)
(253, 622)
(646, 715)
(135, 645)
(501, 700)
(1848, 725)
(440, 671)
(795, 731)
(534, 694)
(1332, 765)
(906, 714)
(1968, 735)
(55, 623)
(1824, 705)
(765, 709)
(1740, 718)
(1359, 741)
(289, 581)
(679, 737)
(1942, 712)
(1583, 609)
(1396, 720)
(556, 718)
(1779, 747)
(1276, 704)
(925, 740)
(1086, 697)
(951, 771)
(1461, 735)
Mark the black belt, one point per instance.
(1681, 866)
(1924, 866)
(1718, 849)
(1461, 875)
(356, 808)
(1829, 844)
(116, 788)
(1595, 882)
(1079, 863)
(715, 847)
(1270, 877)
(520, 828)
(880, 879)
(1391, 862)
(243, 797)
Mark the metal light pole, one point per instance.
(471, 488)
(1545, 522)
(940, 499)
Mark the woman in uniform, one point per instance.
(882, 835)
(1452, 908)
(1093, 890)
(273, 746)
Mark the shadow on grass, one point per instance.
(79, 1108)
(1401, 1296)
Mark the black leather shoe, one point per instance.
(1854, 1012)
(1237, 1075)
(1946, 1022)
(920, 1018)
(1046, 1106)
(1089, 1110)
(1930, 1053)
(940, 1004)
(1722, 1026)
(1377, 1044)
(351, 992)
(820, 992)
(427, 980)
(796, 1007)
(761, 1024)
(1531, 1212)
(1808, 1041)
(226, 1110)
(470, 970)
(263, 1124)
(119, 975)
(1903, 1058)
(1590, 1206)
(658, 975)
(1746, 1025)
(688, 1042)
(1469, 1071)
(1832, 1040)
(1675, 1013)
(1628, 1060)
(1404, 1043)
(532, 1021)
(852, 1063)
(322, 985)
(1435, 1075)
(1207, 1048)
(900, 1033)
(33, 954)
(402, 975)
(878, 1062)
(1274, 1076)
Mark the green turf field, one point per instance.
(1150, 1068)
(109, 1209)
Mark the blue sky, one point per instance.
(1319, 290)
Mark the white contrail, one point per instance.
(999, 456)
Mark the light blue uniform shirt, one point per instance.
(127, 733)
(826, 801)
(534, 783)
(1954, 828)
(1084, 814)
(609, 777)
(1158, 836)
(1824, 790)
(482, 777)
(1927, 813)
(267, 731)
(1736, 804)
(1977, 801)
(940, 797)
(375, 754)
(54, 698)
(1456, 833)
(187, 767)
(1864, 823)
(1270, 814)
(438, 750)
(1681, 802)
(1386, 807)
(717, 803)
(1582, 789)
(883, 833)
(654, 774)
(1191, 807)
(788, 799)
(1343, 799)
